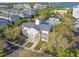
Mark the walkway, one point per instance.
(21, 53)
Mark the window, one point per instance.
(44, 36)
(37, 36)
(25, 32)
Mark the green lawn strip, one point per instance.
(20, 21)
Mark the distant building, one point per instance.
(30, 13)
(4, 21)
(22, 6)
(76, 19)
(62, 12)
(54, 20)
(76, 12)
(76, 26)
(39, 6)
(4, 5)
(6, 18)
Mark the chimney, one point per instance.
(37, 21)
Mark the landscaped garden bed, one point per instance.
(4, 52)
(29, 44)
(40, 45)
(20, 42)
(37, 48)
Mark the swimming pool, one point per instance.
(50, 22)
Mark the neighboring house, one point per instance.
(6, 18)
(30, 13)
(38, 30)
(13, 15)
(14, 18)
(4, 21)
(76, 27)
(76, 12)
(76, 19)
(39, 6)
(54, 20)
(75, 23)
(3, 5)
(62, 12)
(22, 6)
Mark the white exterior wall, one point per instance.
(24, 30)
(76, 12)
(27, 6)
(39, 6)
(32, 34)
(61, 11)
(54, 19)
(46, 36)
(35, 35)
(18, 6)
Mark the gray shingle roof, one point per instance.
(37, 27)
(28, 24)
(45, 27)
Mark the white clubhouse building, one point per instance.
(36, 31)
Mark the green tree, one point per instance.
(70, 10)
(43, 13)
(2, 52)
(57, 40)
(20, 21)
(12, 33)
(10, 5)
(65, 53)
(77, 51)
(1, 12)
(65, 29)
(68, 16)
(62, 53)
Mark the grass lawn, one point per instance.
(20, 21)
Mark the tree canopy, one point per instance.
(12, 33)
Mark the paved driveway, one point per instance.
(21, 53)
